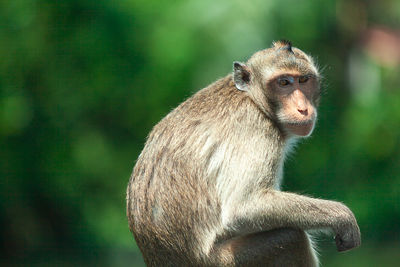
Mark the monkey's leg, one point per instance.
(274, 209)
(279, 247)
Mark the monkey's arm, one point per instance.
(274, 209)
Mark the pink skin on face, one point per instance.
(295, 93)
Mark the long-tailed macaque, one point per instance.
(205, 190)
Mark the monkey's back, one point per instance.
(169, 196)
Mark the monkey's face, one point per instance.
(296, 96)
(284, 82)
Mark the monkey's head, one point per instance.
(285, 83)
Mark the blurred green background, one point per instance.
(83, 82)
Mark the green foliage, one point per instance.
(82, 83)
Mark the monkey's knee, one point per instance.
(291, 237)
(279, 247)
(293, 248)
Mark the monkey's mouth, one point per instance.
(303, 128)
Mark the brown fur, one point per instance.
(205, 189)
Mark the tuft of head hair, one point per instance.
(283, 44)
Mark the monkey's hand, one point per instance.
(347, 232)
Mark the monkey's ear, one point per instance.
(241, 76)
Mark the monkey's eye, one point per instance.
(283, 81)
(303, 79)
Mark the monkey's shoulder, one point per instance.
(216, 102)
(218, 111)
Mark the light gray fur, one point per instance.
(205, 190)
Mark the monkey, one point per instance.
(205, 190)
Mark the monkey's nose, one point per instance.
(303, 111)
